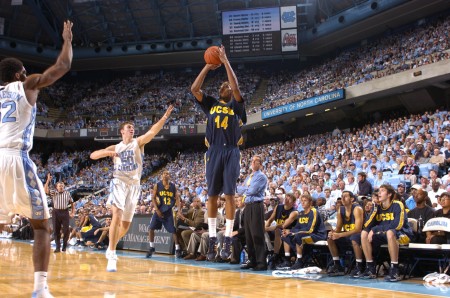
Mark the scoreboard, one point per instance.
(260, 32)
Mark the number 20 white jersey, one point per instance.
(128, 164)
(17, 118)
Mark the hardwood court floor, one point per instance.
(81, 273)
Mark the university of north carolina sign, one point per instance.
(304, 104)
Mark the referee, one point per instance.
(61, 199)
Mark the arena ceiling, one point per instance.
(104, 24)
(129, 21)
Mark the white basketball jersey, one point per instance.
(128, 165)
(17, 118)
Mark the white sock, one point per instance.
(212, 226)
(287, 254)
(40, 280)
(177, 246)
(152, 244)
(299, 256)
(229, 227)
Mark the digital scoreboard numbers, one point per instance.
(251, 21)
(256, 32)
(253, 44)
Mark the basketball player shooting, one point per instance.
(225, 116)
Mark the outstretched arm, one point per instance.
(149, 135)
(197, 85)
(232, 79)
(46, 188)
(34, 82)
(107, 152)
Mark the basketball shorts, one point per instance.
(300, 239)
(21, 190)
(222, 170)
(346, 242)
(125, 197)
(157, 222)
(380, 238)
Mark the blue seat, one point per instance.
(394, 180)
(424, 169)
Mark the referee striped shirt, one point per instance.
(61, 200)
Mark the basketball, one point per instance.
(212, 55)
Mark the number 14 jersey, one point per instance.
(224, 123)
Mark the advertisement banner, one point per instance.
(137, 237)
(304, 104)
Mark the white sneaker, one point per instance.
(112, 265)
(42, 293)
(112, 261)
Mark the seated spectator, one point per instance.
(308, 229)
(364, 187)
(368, 207)
(194, 217)
(283, 217)
(438, 160)
(90, 226)
(388, 224)
(401, 191)
(194, 243)
(440, 237)
(379, 180)
(350, 219)
(410, 170)
(103, 240)
(434, 194)
(422, 213)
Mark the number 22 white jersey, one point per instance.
(17, 118)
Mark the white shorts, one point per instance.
(21, 190)
(125, 197)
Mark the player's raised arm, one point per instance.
(197, 85)
(61, 67)
(107, 152)
(232, 79)
(155, 129)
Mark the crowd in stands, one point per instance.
(358, 160)
(137, 98)
(140, 97)
(388, 55)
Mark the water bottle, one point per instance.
(243, 256)
(420, 224)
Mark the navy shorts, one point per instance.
(380, 238)
(346, 242)
(300, 239)
(222, 170)
(156, 222)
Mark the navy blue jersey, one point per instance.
(310, 222)
(391, 218)
(224, 123)
(283, 214)
(348, 223)
(166, 196)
